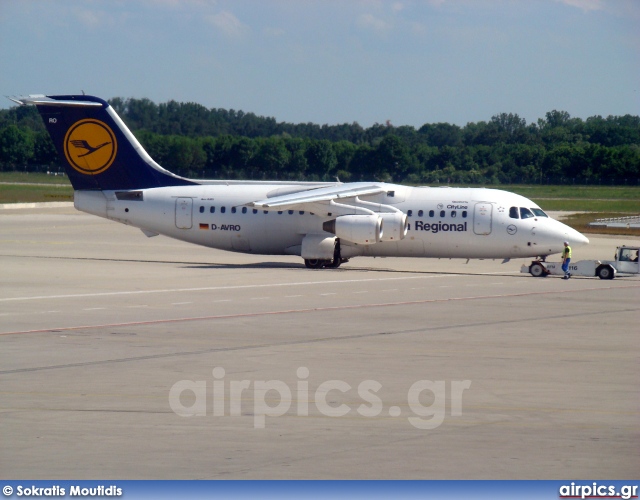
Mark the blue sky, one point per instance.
(407, 61)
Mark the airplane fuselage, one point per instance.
(442, 222)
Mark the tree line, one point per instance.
(194, 141)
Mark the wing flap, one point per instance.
(319, 195)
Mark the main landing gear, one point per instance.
(320, 264)
(327, 263)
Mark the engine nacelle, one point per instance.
(360, 229)
(395, 226)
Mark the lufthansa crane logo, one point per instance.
(90, 146)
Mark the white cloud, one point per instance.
(274, 32)
(228, 24)
(180, 4)
(371, 4)
(418, 28)
(585, 5)
(94, 19)
(89, 18)
(369, 21)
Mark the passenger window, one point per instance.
(441, 213)
(244, 210)
(513, 213)
(409, 213)
(201, 210)
(525, 213)
(279, 212)
(266, 211)
(233, 210)
(453, 213)
(301, 212)
(223, 210)
(464, 214)
(255, 210)
(290, 212)
(212, 210)
(432, 213)
(420, 213)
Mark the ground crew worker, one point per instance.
(566, 259)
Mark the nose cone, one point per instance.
(551, 234)
(584, 240)
(576, 238)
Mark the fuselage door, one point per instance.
(482, 218)
(184, 208)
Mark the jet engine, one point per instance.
(360, 229)
(395, 226)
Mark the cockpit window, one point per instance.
(513, 213)
(525, 213)
(539, 212)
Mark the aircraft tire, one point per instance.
(314, 263)
(537, 270)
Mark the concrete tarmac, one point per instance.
(382, 369)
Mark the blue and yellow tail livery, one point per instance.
(96, 148)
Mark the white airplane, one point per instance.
(324, 223)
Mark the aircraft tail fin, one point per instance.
(96, 148)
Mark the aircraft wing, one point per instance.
(343, 191)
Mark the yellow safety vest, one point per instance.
(566, 253)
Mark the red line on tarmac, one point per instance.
(315, 309)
